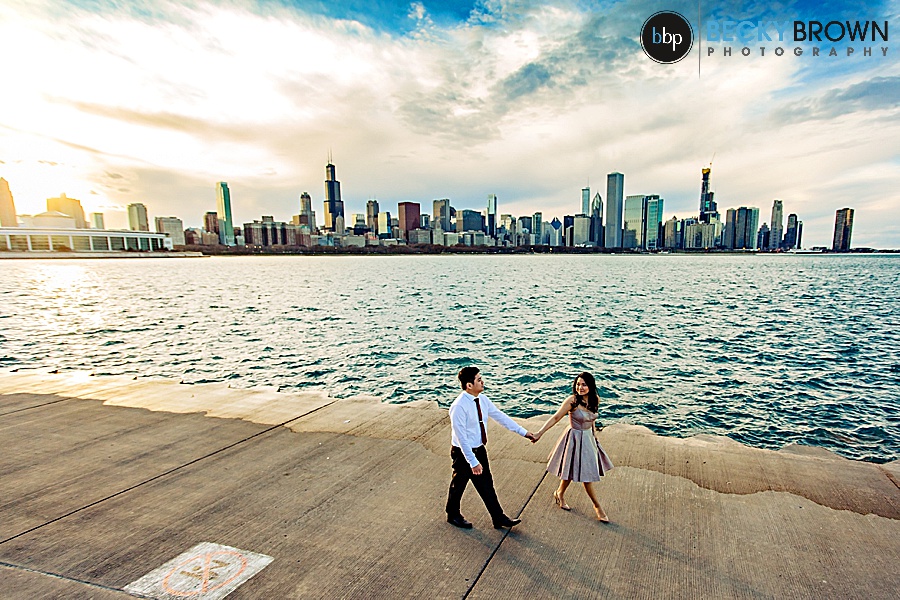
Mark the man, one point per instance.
(468, 423)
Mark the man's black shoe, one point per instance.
(506, 522)
(459, 521)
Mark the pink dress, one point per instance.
(577, 455)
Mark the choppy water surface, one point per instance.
(767, 350)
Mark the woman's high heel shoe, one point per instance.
(601, 515)
(560, 503)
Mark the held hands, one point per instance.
(534, 437)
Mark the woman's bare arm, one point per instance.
(563, 411)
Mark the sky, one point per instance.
(154, 102)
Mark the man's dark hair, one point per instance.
(467, 375)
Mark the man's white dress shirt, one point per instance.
(466, 434)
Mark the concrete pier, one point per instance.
(105, 481)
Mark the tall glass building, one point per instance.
(469, 220)
(537, 225)
(741, 228)
(643, 217)
(597, 220)
(223, 214)
(843, 228)
(652, 239)
(492, 215)
(385, 228)
(372, 215)
(635, 217)
(441, 214)
(707, 204)
(776, 227)
(615, 193)
(793, 233)
(334, 206)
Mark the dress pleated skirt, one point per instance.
(578, 457)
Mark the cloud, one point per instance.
(528, 100)
(874, 95)
(526, 80)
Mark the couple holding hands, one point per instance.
(576, 457)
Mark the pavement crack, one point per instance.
(506, 533)
(12, 412)
(63, 577)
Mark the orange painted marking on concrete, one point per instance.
(206, 570)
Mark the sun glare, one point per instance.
(69, 295)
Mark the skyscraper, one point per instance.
(372, 215)
(707, 205)
(615, 190)
(537, 223)
(441, 214)
(173, 226)
(334, 206)
(223, 214)
(635, 217)
(385, 230)
(492, 215)
(776, 227)
(469, 220)
(597, 220)
(653, 223)
(508, 226)
(409, 217)
(728, 233)
(843, 228)
(307, 215)
(68, 206)
(211, 223)
(793, 232)
(581, 230)
(586, 201)
(7, 206)
(741, 228)
(672, 233)
(523, 225)
(556, 233)
(137, 217)
(763, 238)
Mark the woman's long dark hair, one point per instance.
(592, 400)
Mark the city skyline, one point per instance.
(638, 211)
(417, 102)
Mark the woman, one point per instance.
(578, 455)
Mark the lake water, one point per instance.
(767, 350)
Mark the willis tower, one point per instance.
(334, 207)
